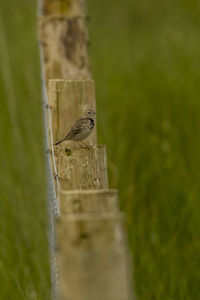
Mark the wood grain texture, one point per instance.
(90, 201)
(82, 168)
(92, 257)
(64, 47)
(68, 100)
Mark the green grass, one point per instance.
(145, 57)
(24, 266)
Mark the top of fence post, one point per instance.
(64, 39)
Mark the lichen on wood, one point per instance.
(69, 8)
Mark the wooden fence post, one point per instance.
(92, 254)
(68, 99)
(64, 39)
(92, 257)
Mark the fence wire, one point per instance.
(53, 200)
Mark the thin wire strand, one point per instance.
(52, 150)
(47, 106)
(53, 200)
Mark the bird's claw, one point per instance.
(85, 146)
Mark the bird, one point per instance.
(81, 129)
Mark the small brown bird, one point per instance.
(81, 129)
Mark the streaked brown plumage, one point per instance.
(81, 129)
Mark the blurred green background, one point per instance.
(145, 58)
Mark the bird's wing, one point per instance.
(76, 128)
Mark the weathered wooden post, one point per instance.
(64, 39)
(92, 255)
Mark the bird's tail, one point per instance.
(58, 142)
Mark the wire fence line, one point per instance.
(50, 151)
(53, 199)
